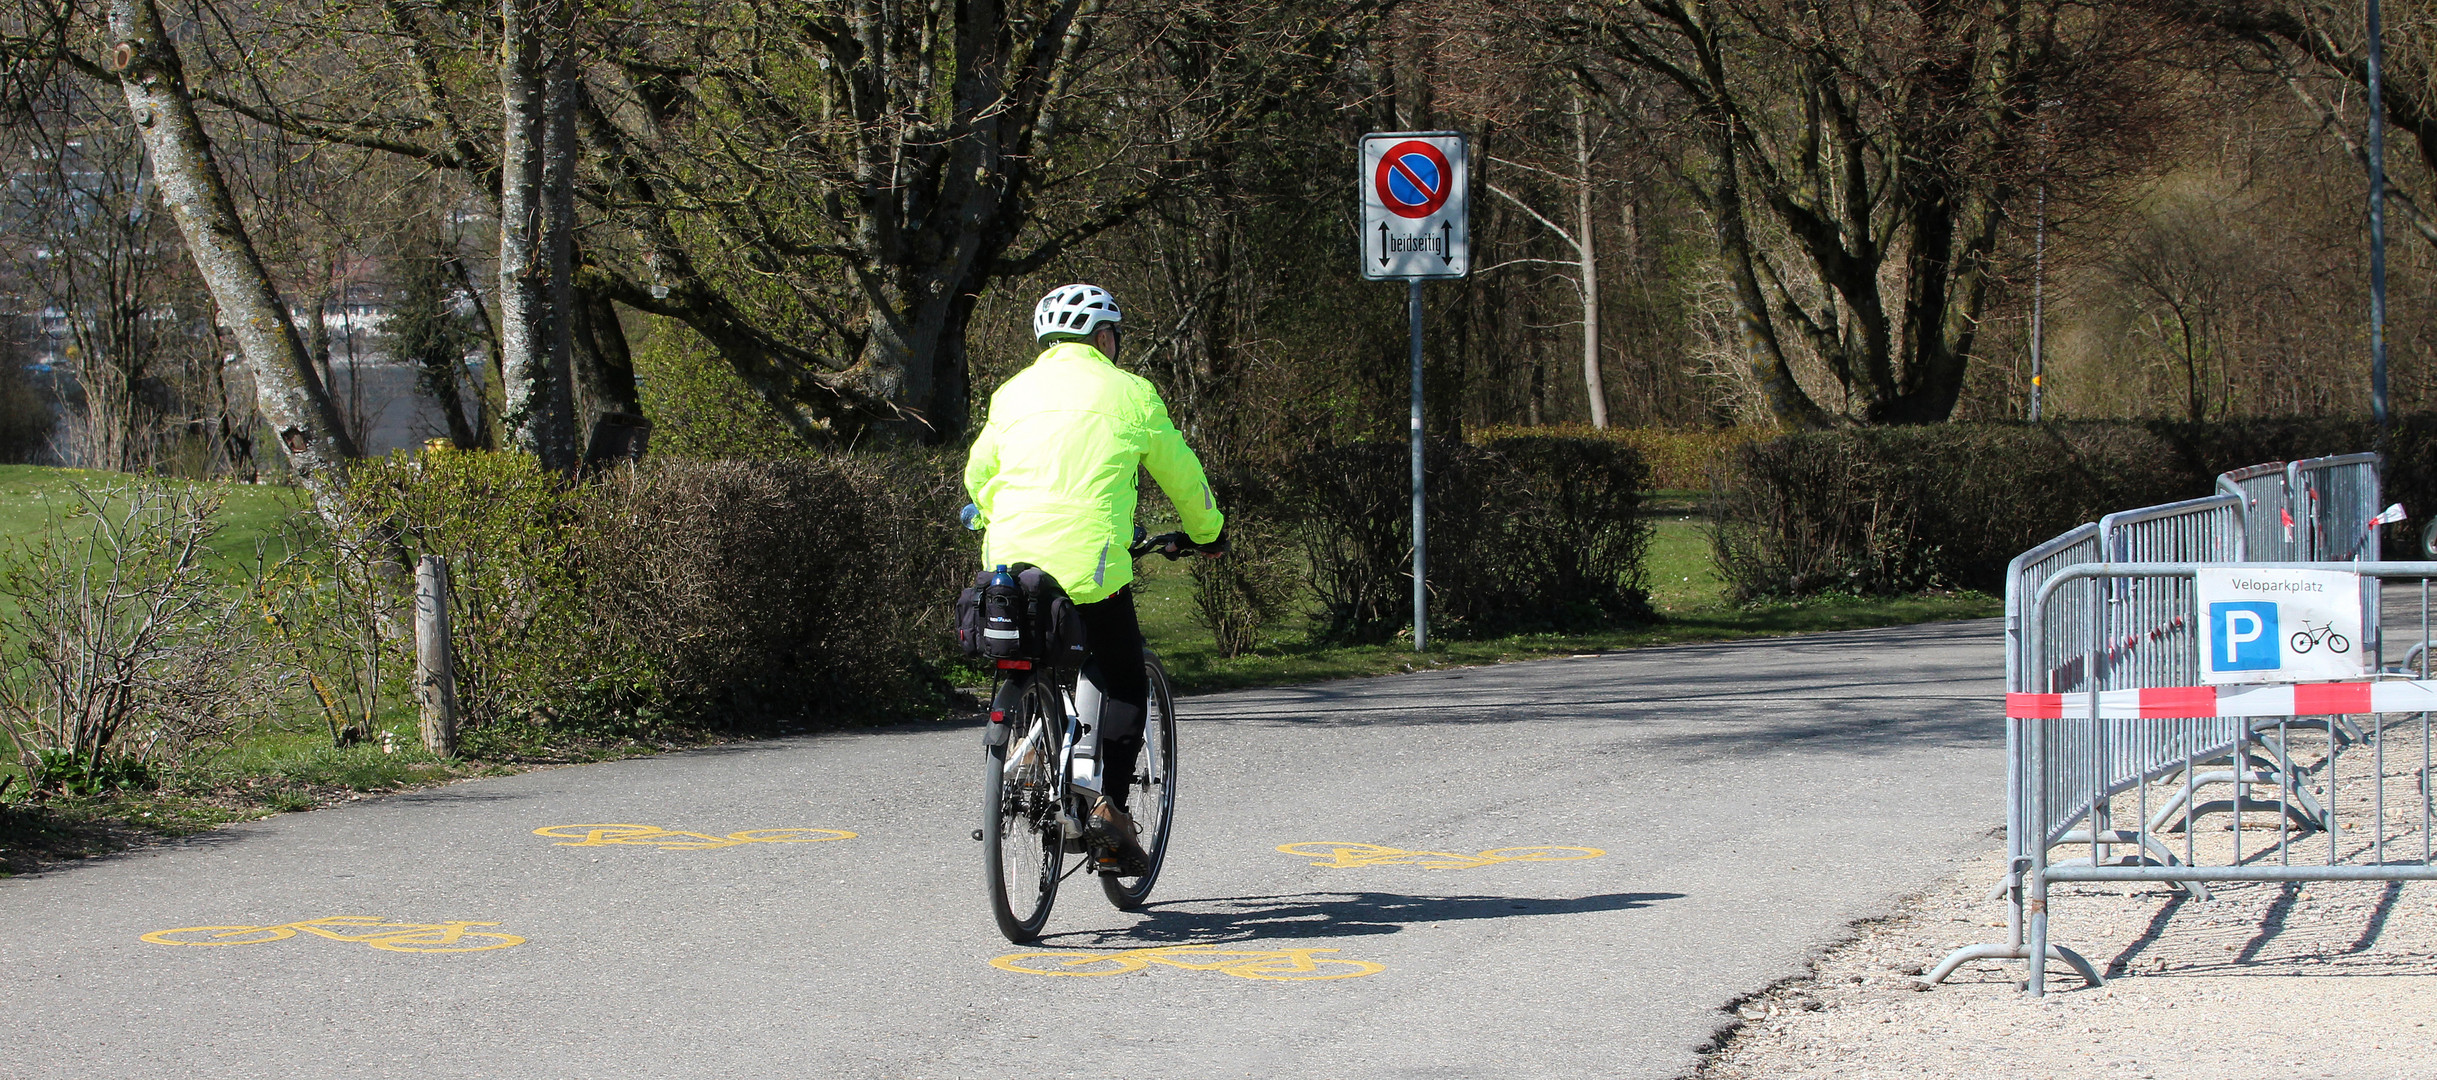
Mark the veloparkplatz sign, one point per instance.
(2273, 626)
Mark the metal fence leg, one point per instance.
(2038, 955)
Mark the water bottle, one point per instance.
(1003, 616)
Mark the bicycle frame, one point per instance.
(1014, 682)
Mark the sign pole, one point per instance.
(1415, 226)
(1421, 587)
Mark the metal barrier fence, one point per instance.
(2338, 497)
(2267, 525)
(2076, 776)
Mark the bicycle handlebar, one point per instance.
(1170, 544)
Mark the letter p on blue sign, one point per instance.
(2244, 633)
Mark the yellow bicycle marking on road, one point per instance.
(1277, 965)
(371, 930)
(1344, 856)
(672, 840)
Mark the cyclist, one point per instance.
(1054, 476)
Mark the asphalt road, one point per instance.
(1750, 799)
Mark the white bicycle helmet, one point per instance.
(1076, 309)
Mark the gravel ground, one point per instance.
(2285, 980)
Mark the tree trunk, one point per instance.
(1757, 332)
(604, 367)
(1585, 231)
(295, 401)
(558, 192)
(532, 342)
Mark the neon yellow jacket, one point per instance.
(1055, 470)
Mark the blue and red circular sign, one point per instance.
(1413, 179)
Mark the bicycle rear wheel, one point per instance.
(1154, 800)
(1023, 849)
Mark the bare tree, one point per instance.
(1582, 237)
(1859, 159)
(820, 191)
(289, 394)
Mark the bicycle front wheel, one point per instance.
(1023, 848)
(1154, 800)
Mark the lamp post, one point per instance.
(2039, 270)
(2039, 282)
(2377, 226)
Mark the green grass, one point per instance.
(1685, 590)
(33, 496)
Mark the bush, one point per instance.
(525, 640)
(1235, 597)
(724, 593)
(1885, 510)
(1525, 533)
(119, 644)
(1556, 537)
(782, 589)
(63, 770)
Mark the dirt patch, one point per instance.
(2316, 980)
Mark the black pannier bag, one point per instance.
(1028, 616)
(969, 615)
(1057, 628)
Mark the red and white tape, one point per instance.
(2187, 702)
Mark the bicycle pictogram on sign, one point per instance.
(1413, 179)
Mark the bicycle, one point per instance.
(2309, 636)
(1033, 814)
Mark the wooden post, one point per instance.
(435, 667)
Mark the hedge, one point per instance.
(1883, 510)
(1525, 532)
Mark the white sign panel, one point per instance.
(1415, 221)
(2279, 626)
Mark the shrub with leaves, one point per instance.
(329, 607)
(526, 644)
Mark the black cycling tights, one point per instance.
(1115, 666)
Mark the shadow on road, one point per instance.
(1329, 914)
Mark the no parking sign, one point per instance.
(1414, 209)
